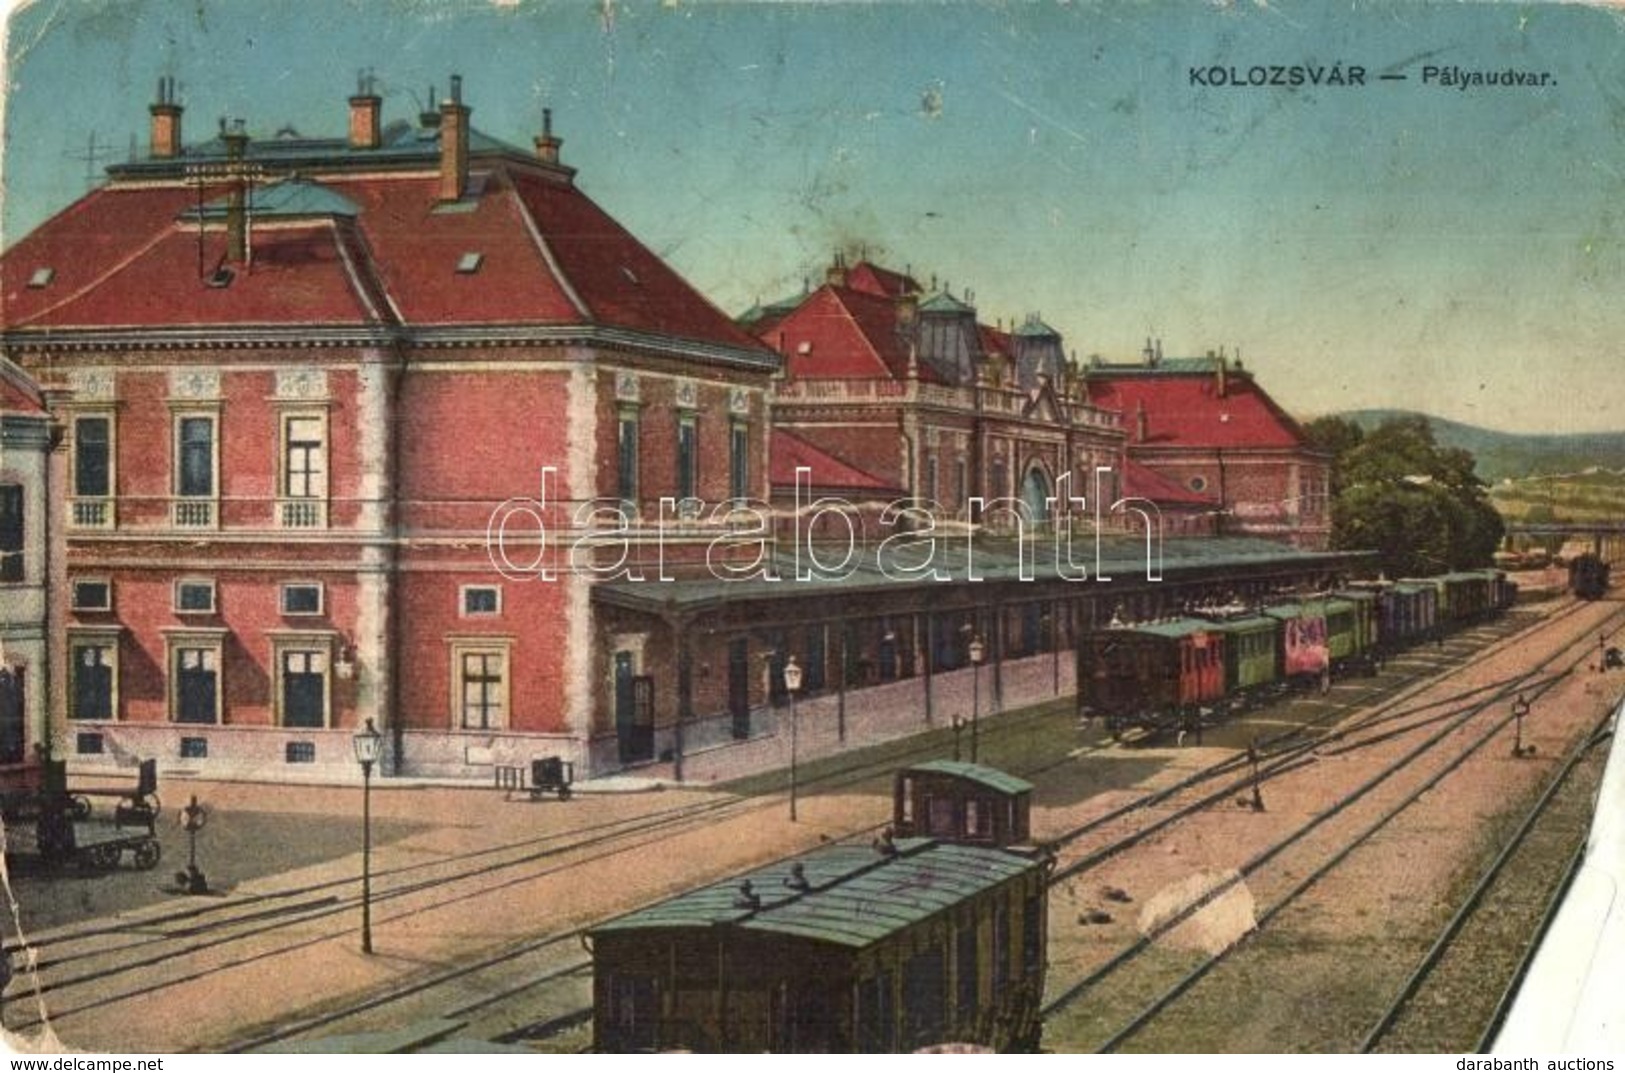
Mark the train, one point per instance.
(1174, 673)
(1588, 576)
(933, 936)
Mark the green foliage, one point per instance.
(1418, 505)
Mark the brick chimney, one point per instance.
(1220, 376)
(166, 122)
(454, 143)
(547, 146)
(835, 276)
(236, 139)
(364, 108)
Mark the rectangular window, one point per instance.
(88, 744)
(739, 461)
(196, 684)
(929, 489)
(194, 748)
(11, 532)
(194, 472)
(688, 457)
(304, 474)
(303, 491)
(626, 486)
(300, 752)
(961, 490)
(194, 597)
(303, 687)
(302, 598)
(92, 457)
(481, 600)
(91, 679)
(92, 594)
(483, 688)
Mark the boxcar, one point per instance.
(969, 803)
(1303, 649)
(1588, 576)
(1367, 624)
(908, 944)
(1153, 674)
(1409, 613)
(1344, 632)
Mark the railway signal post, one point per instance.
(1252, 758)
(193, 818)
(1520, 708)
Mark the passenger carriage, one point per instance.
(1156, 675)
(1303, 650)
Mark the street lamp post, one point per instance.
(977, 651)
(367, 742)
(792, 685)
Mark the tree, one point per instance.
(1336, 436)
(1418, 505)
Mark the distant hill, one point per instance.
(1511, 454)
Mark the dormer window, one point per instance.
(41, 277)
(469, 263)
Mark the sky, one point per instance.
(1401, 243)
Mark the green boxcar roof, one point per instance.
(1243, 624)
(1175, 627)
(855, 895)
(990, 777)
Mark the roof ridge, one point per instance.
(91, 284)
(548, 258)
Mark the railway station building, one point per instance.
(29, 544)
(401, 426)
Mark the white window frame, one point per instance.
(284, 642)
(321, 599)
(94, 579)
(94, 512)
(187, 510)
(307, 511)
(178, 640)
(463, 592)
(459, 649)
(214, 596)
(80, 638)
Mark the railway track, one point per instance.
(561, 1018)
(1162, 977)
(1451, 1000)
(190, 945)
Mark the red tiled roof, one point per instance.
(547, 255)
(18, 393)
(1146, 483)
(787, 451)
(620, 280)
(298, 276)
(882, 282)
(995, 341)
(1186, 411)
(839, 333)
